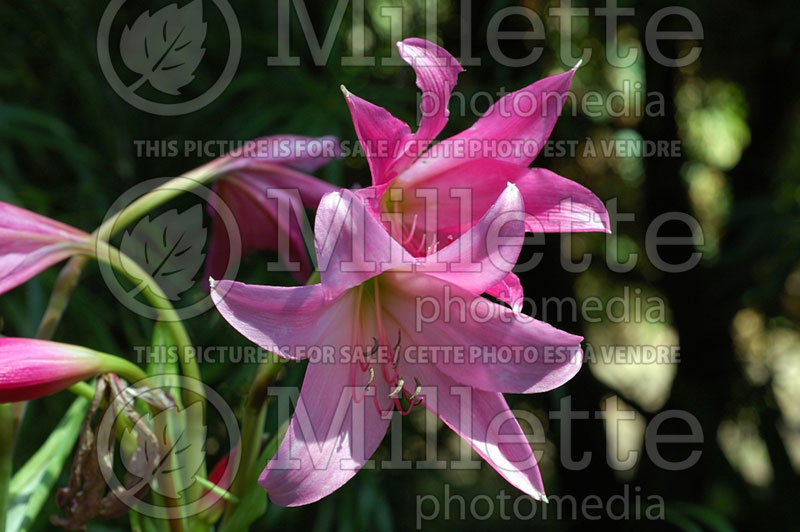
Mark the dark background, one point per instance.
(67, 151)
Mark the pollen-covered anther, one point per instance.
(398, 388)
(417, 390)
(371, 378)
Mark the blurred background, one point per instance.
(67, 150)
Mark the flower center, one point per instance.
(406, 228)
(382, 354)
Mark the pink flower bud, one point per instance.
(36, 368)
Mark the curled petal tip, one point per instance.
(344, 91)
(544, 498)
(212, 284)
(577, 65)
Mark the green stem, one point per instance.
(166, 313)
(158, 196)
(210, 486)
(70, 273)
(62, 292)
(158, 299)
(124, 368)
(82, 389)
(252, 427)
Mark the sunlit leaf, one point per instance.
(32, 484)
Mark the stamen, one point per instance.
(417, 390)
(396, 351)
(422, 243)
(371, 378)
(398, 388)
(413, 228)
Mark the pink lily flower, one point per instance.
(30, 242)
(255, 185)
(365, 309)
(35, 368)
(423, 186)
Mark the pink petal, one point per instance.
(556, 204)
(522, 119)
(352, 246)
(437, 72)
(15, 218)
(553, 203)
(486, 253)
(284, 320)
(253, 196)
(264, 176)
(502, 350)
(447, 196)
(509, 290)
(330, 436)
(29, 243)
(380, 134)
(490, 428)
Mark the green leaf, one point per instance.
(31, 485)
(159, 362)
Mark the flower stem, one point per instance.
(159, 300)
(125, 369)
(252, 426)
(71, 272)
(81, 389)
(158, 196)
(166, 313)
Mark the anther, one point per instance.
(398, 388)
(371, 378)
(417, 390)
